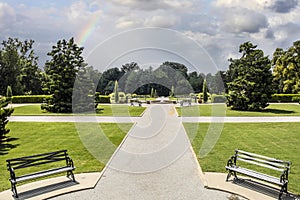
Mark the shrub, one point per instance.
(218, 98)
(285, 98)
(30, 98)
(121, 97)
(102, 98)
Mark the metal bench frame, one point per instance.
(35, 160)
(262, 161)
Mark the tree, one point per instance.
(19, 68)
(196, 81)
(205, 96)
(286, 69)
(250, 79)
(130, 67)
(172, 93)
(4, 114)
(152, 92)
(9, 94)
(66, 61)
(116, 92)
(107, 79)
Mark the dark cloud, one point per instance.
(284, 6)
(241, 20)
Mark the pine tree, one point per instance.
(249, 79)
(66, 61)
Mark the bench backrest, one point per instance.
(38, 159)
(263, 161)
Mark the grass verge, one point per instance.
(33, 138)
(278, 140)
(109, 110)
(221, 110)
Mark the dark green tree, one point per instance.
(205, 95)
(107, 79)
(196, 81)
(4, 114)
(249, 79)
(19, 68)
(63, 67)
(116, 92)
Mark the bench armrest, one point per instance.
(12, 173)
(232, 161)
(284, 176)
(69, 162)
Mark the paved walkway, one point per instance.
(155, 161)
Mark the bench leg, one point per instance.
(283, 189)
(228, 176)
(231, 173)
(70, 173)
(14, 190)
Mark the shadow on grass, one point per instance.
(278, 111)
(5, 145)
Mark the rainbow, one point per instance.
(87, 30)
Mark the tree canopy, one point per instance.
(19, 68)
(286, 69)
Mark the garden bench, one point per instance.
(261, 162)
(65, 162)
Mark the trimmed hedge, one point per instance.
(285, 98)
(102, 98)
(29, 98)
(218, 98)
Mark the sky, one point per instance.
(201, 33)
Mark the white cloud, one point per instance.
(127, 22)
(161, 21)
(238, 20)
(7, 15)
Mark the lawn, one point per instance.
(278, 140)
(33, 138)
(109, 110)
(222, 110)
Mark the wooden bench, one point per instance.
(66, 165)
(261, 162)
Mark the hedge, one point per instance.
(285, 98)
(102, 98)
(29, 98)
(218, 98)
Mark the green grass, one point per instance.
(222, 110)
(33, 138)
(278, 140)
(109, 110)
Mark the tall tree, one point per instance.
(19, 68)
(116, 92)
(250, 79)
(205, 95)
(65, 63)
(286, 69)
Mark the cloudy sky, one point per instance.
(216, 26)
